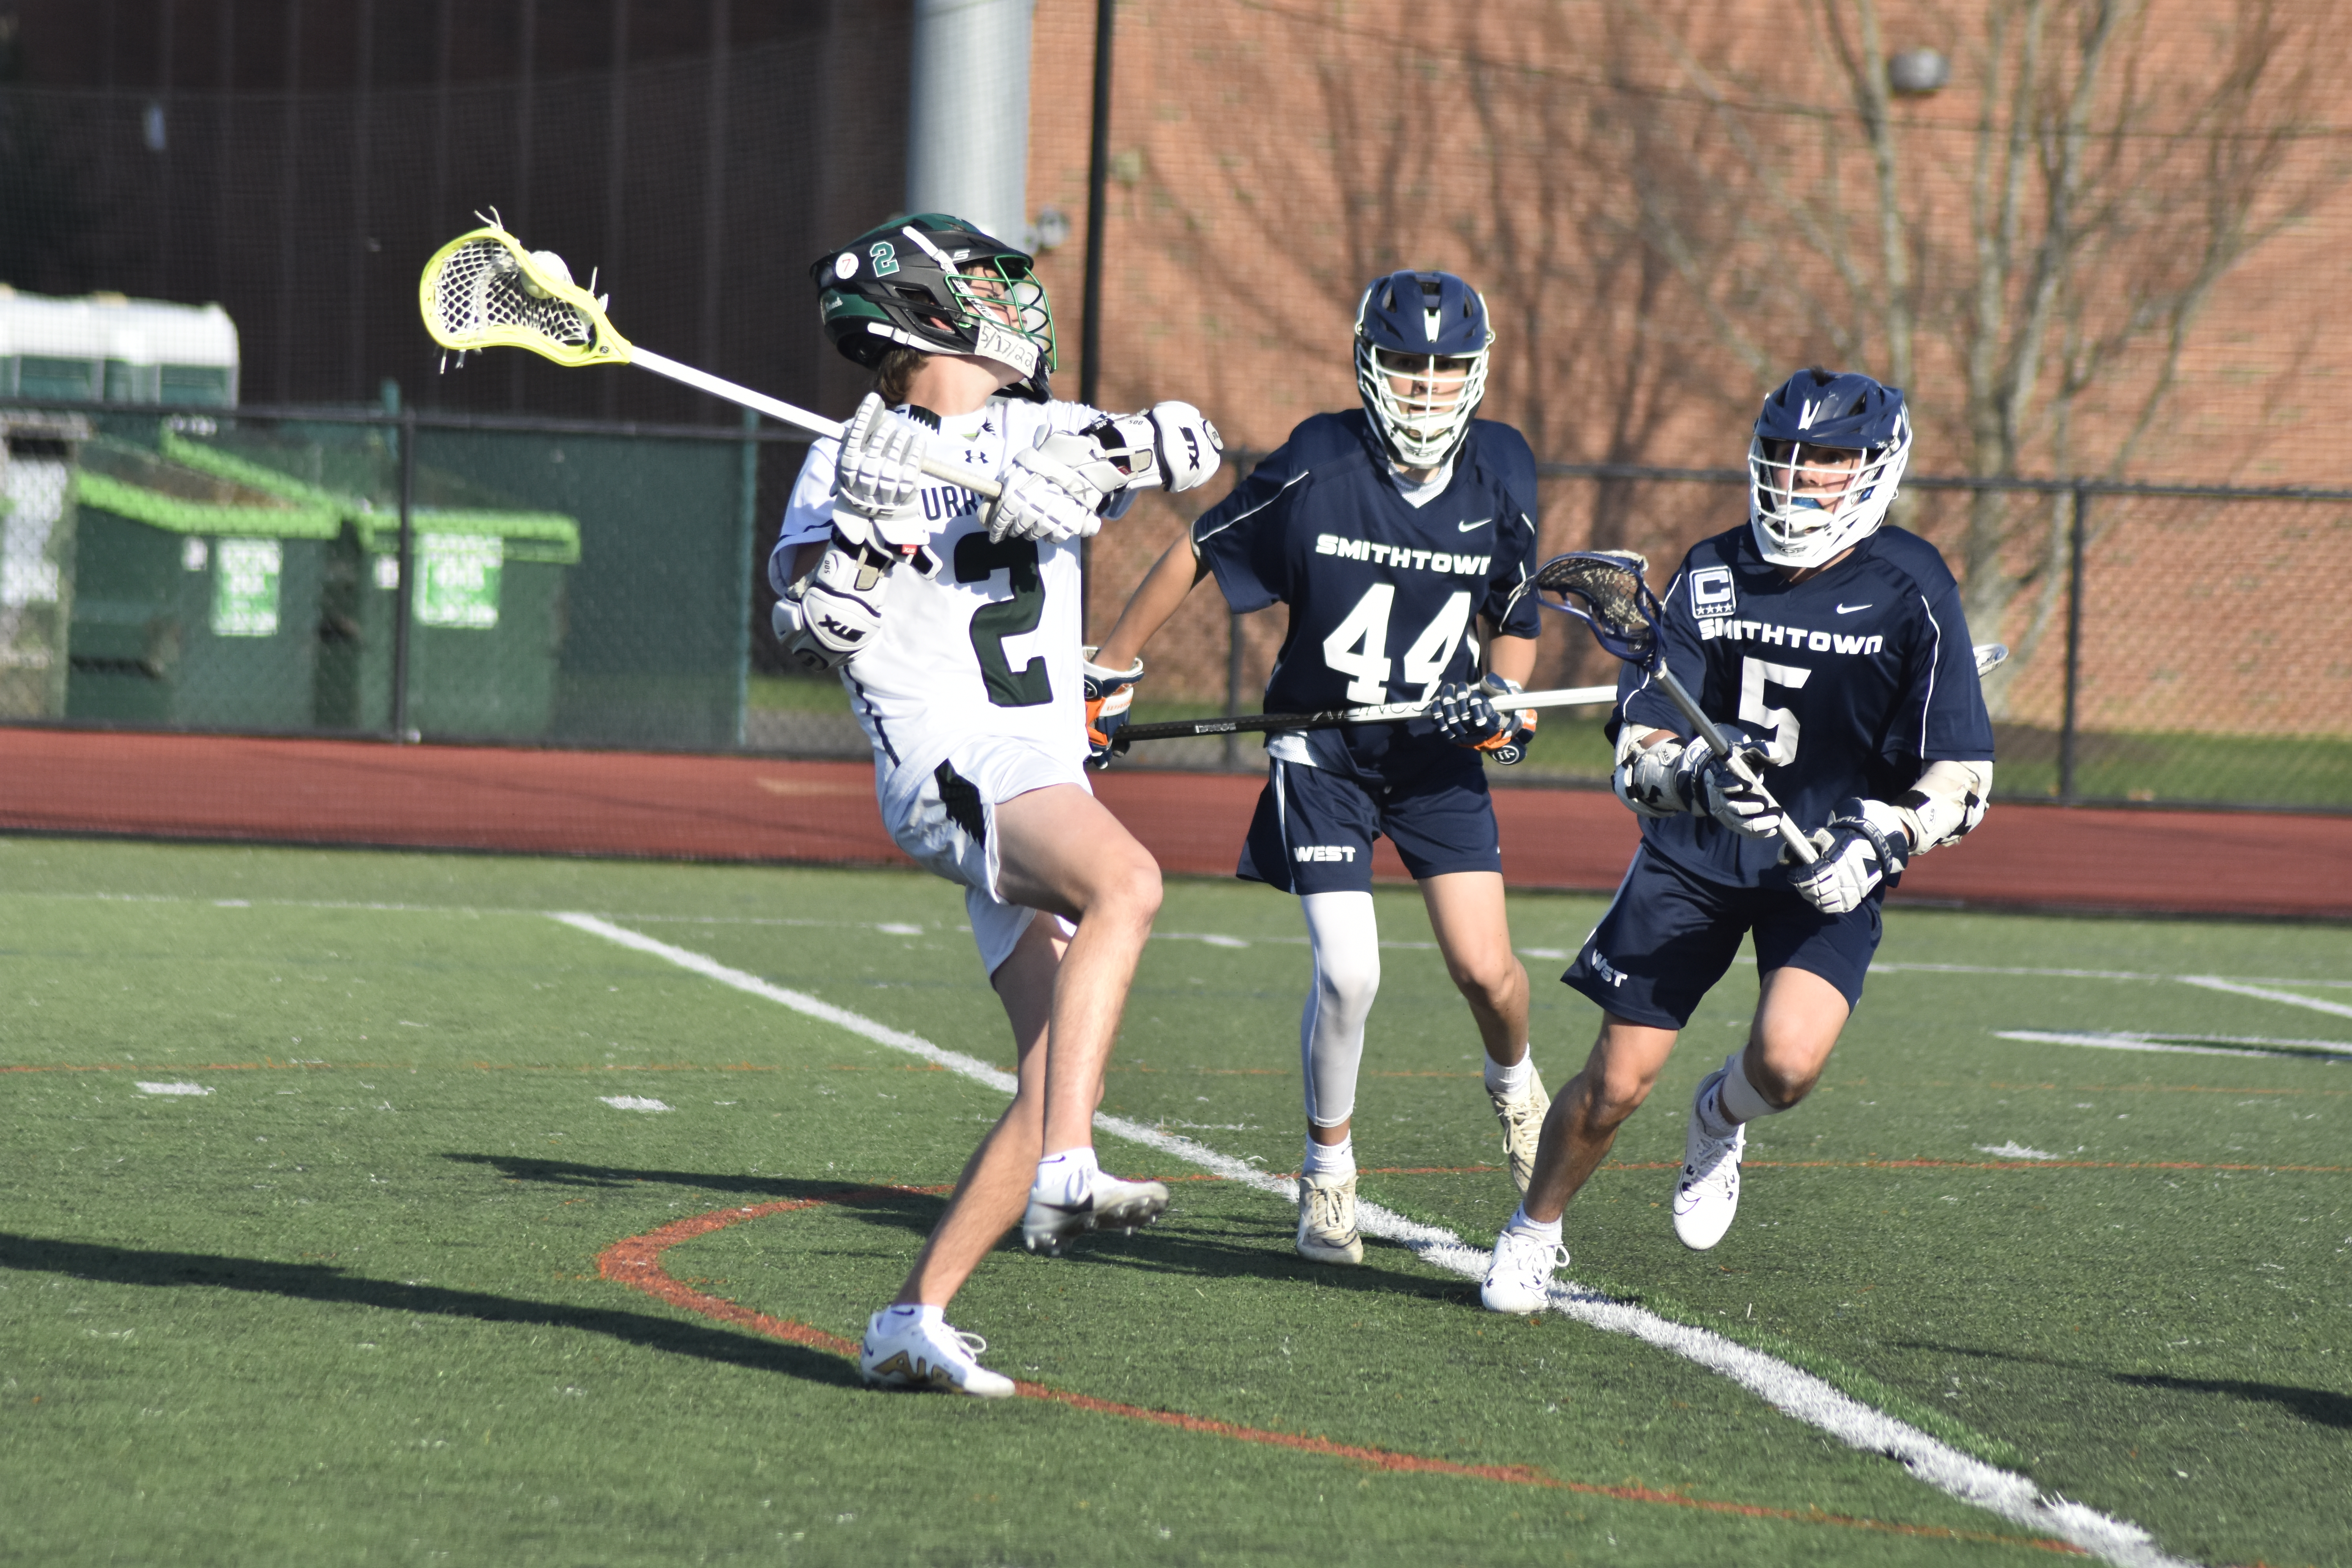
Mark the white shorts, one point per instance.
(949, 827)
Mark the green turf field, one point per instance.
(345, 1303)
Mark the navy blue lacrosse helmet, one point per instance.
(1421, 342)
(1826, 461)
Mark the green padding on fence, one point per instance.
(176, 516)
(529, 536)
(261, 476)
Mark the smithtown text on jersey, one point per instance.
(1772, 635)
(1397, 555)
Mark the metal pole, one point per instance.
(2068, 722)
(1090, 299)
(1097, 177)
(746, 524)
(403, 594)
(1233, 685)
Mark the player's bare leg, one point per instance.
(1473, 932)
(1617, 1077)
(1798, 1018)
(1061, 850)
(994, 1186)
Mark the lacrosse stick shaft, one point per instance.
(784, 413)
(1798, 844)
(1332, 717)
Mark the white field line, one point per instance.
(2262, 994)
(1795, 1393)
(2233, 1048)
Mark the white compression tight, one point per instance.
(1346, 941)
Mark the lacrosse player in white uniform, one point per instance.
(954, 624)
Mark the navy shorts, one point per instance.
(1314, 828)
(1669, 936)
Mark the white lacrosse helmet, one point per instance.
(1825, 463)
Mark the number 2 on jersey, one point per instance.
(1776, 727)
(976, 561)
(1358, 646)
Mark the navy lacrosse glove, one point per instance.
(1109, 693)
(1864, 845)
(1467, 716)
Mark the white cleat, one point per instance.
(1519, 1279)
(1707, 1193)
(1327, 1220)
(1522, 1118)
(915, 1354)
(1109, 1204)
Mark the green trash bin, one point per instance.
(197, 599)
(487, 620)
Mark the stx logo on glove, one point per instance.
(1308, 852)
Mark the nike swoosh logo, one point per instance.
(1849, 609)
(1466, 527)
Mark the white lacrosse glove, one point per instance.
(1864, 845)
(823, 621)
(1649, 778)
(1037, 500)
(1173, 445)
(1709, 784)
(876, 475)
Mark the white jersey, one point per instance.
(988, 648)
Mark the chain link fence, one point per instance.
(600, 586)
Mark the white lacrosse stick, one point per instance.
(483, 289)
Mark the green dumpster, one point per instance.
(486, 618)
(197, 599)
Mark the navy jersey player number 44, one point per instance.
(1400, 535)
(1829, 647)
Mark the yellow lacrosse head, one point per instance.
(483, 289)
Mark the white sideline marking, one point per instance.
(2013, 1149)
(2214, 1046)
(172, 1088)
(2262, 994)
(1795, 1393)
(632, 1102)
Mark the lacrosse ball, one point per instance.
(547, 261)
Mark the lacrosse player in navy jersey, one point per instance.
(1831, 650)
(1386, 530)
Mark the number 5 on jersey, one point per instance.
(1776, 727)
(1358, 646)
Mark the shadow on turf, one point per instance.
(1262, 1251)
(2320, 1406)
(320, 1282)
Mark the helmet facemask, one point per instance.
(1809, 501)
(1004, 311)
(1425, 424)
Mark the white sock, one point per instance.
(1738, 1097)
(897, 1313)
(1544, 1230)
(1509, 1080)
(1329, 1159)
(1067, 1174)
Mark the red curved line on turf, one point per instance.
(637, 1261)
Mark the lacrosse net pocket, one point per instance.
(1605, 590)
(483, 290)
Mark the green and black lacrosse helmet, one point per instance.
(938, 284)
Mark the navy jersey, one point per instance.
(1856, 679)
(1381, 593)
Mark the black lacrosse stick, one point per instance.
(1605, 590)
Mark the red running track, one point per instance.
(745, 808)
